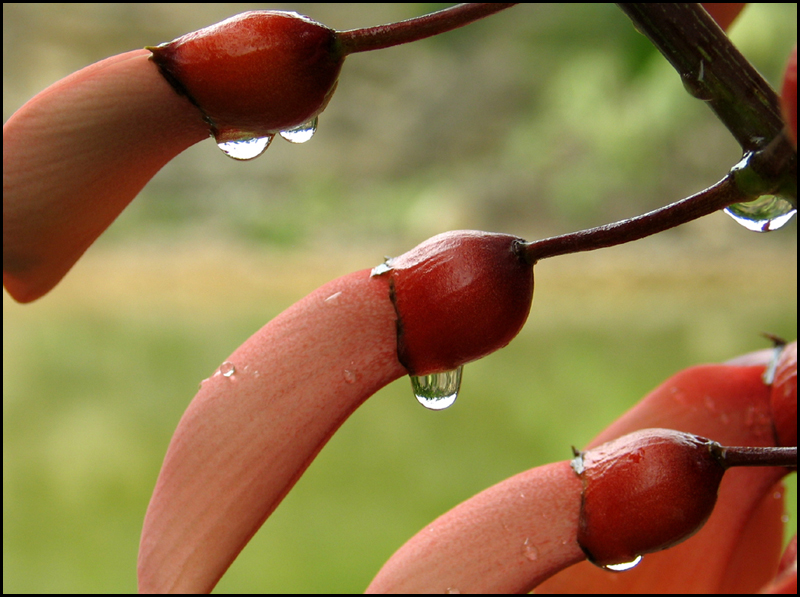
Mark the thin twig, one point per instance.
(755, 456)
(712, 69)
(394, 34)
(721, 195)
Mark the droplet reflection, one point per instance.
(245, 148)
(765, 214)
(438, 390)
(302, 133)
(227, 369)
(624, 565)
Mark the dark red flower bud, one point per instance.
(459, 296)
(258, 73)
(645, 492)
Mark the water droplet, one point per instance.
(246, 147)
(530, 551)
(768, 377)
(765, 214)
(350, 376)
(696, 85)
(622, 567)
(438, 390)
(381, 269)
(227, 369)
(452, 591)
(302, 133)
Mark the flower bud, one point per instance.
(459, 296)
(259, 72)
(645, 492)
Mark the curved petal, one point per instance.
(76, 154)
(506, 539)
(482, 545)
(739, 546)
(785, 581)
(246, 438)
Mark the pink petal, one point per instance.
(246, 439)
(506, 539)
(76, 154)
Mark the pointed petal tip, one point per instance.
(76, 154)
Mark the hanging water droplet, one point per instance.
(768, 377)
(302, 133)
(765, 214)
(246, 147)
(696, 85)
(438, 390)
(227, 369)
(624, 565)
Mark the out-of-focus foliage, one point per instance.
(542, 119)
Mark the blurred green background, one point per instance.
(537, 121)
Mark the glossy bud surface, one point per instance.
(260, 72)
(783, 398)
(644, 492)
(459, 296)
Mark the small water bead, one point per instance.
(623, 566)
(696, 84)
(227, 369)
(438, 390)
(245, 148)
(530, 551)
(302, 133)
(769, 373)
(381, 269)
(350, 376)
(765, 214)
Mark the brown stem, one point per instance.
(714, 198)
(712, 69)
(752, 456)
(395, 34)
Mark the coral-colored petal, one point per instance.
(506, 539)
(246, 439)
(76, 154)
(785, 581)
(724, 13)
